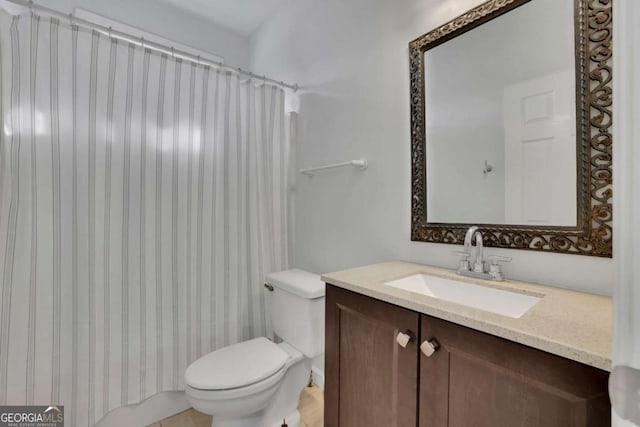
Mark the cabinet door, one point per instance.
(476, 379)
(370, 380)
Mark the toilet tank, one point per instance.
(296, 305)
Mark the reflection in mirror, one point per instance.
(500, 120)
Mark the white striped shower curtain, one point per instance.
(142, 202)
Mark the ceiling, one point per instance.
(241, 16)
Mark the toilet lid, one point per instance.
(237, 365)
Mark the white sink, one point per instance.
(506, 303)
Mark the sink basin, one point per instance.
(506, 303)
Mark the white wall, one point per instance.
(169, 22)
(351, 58)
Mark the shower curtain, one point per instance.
(624, 383)
(142, 202)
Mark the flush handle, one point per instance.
(429, 347)
(404, 338)
(268, 287)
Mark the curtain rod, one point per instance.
(145, 43)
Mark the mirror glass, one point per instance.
(500, 120)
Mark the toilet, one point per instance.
(257, 383)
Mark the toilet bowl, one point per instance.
(257, 383)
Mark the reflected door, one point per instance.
(540, 171)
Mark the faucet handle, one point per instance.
(463, 265)
(495, 259)
(494, 269)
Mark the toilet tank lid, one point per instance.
(298, 282)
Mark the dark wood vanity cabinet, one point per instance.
(369, 379)
(472, 379)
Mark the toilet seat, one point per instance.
(239, 392)
(237, 366)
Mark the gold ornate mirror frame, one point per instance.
(593, 233)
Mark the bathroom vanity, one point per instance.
(405, 358)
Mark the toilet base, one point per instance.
(264, 409)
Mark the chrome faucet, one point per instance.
(473, 232)
(467, 238)
(478, 270)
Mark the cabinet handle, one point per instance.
(429, 347)
(404, 338)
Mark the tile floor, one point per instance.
(311, 408)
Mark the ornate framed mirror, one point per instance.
(511, 127)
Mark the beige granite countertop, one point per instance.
(570, 324)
